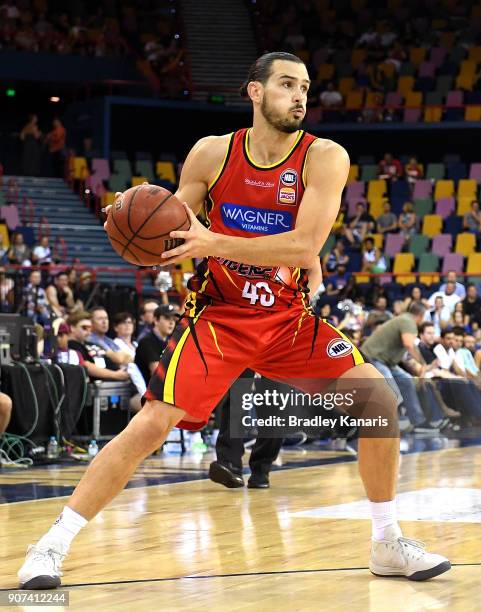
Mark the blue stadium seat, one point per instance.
(453, 225)
(400, 189)
(456, 171)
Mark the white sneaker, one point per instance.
(399, 556)
(41, 569)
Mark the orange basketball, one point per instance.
(140, 222)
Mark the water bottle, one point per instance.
(197, 443)
(52, 448)
(93, 449)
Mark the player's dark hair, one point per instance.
(261, 69)
(416, 308)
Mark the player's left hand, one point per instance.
(197, 241)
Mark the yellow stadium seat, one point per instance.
(108, 198)
(433, 114)
(376, 206)
(376, 189)
(346, 84)
(443, 189)
(414, 98)
(4, 236)
(417, 55)
(464, 205)
(325, 72)
(361, 278)
(354, 100)
(467, 188)
(405, 84)
(404, 262)
(428, 279)
(80, 168)
(165, 170)
(378, 240)
(465, 81)
(357, 57)
(472, 113)
(473, 266)
(374, 99)
(467, 67)
(187, 265)
(465, 243)
(138, 180)
(474, 54)
(353, 174)
(432, 225)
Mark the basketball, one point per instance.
(140, 223)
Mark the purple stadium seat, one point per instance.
(437, 55)
(10, 214)
(100, 167)
(427, 69)
(393, 98)
(453, 261)
(351, 205)
(475, 172)
(422, 188)
(355, 190)
(445, 207)
(454, 98)
(442, 244)
(411, 115)
(393, 244)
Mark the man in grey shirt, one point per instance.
(386, 347)
(387, 222)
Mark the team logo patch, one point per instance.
(338, 347)
(289, 177)
(287, 195)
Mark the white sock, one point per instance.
(63, 531)
(383, 515)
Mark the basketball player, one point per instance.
(272, 193)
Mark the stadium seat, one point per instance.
(453, 225)
(442, 244)
(433, 110)
(407, 69)
(474, 267)
(138, 180)
(355, 189)
(378, 240)
(474, 54)
(423, 188)
(79, 168)
(432, 225)
(443, 189)
(423, 206)
(444, 84)
(165, 171)
(108, 198)
(475, 172)
(400, 189)
(418, 244)
(144, 168)
(452, 261)
(404, 262)
(435, 171)
(437, 55)
(456, 172)
(417, 55)
(393, 244)
(376, 189)
(328, 245)
(405, 85)
(393, 98)
(4, 236)
(353, 173)
(428, 262)
(465, 243)
(412, 115)
(369, 172)
(413, 99)
(472, 113)
(464, 205)
(467, 188)
(346, 84)
(465, 81)
(445, 207)
(376, 206)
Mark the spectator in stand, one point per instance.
(440, 315)
(55, 141)
(338, 229)
(124, 326)
(60, 296)
(359, 225)
(472, 222)
(387, 222)
(152, 345)
(372, 259)
(472, 306)
(336, 257)
(3, 251)
(95, 359)
(146, 316)
(417, 296)
(326, 313)
(465, 358)
(469, 343)
(42, 254)
(457, 318)
(335, 283)
(330, 98)
(452, 277)
(34, 299)
(31, 147)
(85, 291)
(390, 168)
(398, 308)
(65, 354)
(450, 299)
(413, 171)
(407, 221)
(378, 315)
(6, 291)
(19, 253)
(100, 326)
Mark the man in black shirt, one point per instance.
(472, 304)
(151, 346)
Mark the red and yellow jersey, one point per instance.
(249, 201)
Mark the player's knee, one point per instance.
(157, 419)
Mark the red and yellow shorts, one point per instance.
(208, 352)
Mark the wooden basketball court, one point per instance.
(176, 541)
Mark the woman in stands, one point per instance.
(124, 326)
(407, 221)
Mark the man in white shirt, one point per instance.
(459, 290)
(330, 98)
(450, 299)
(440, 316)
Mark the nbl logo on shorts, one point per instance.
(339, 348)
(287, 192)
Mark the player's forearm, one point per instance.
(287, 249)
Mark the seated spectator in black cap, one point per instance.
(152, 345)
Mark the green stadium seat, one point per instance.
(144, 168)
(435, 171)
(369, 172)
(423, 206)
(428, 262)
(444, 83)
(418, 244)
(328, 245)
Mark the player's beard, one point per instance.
(282, 123)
